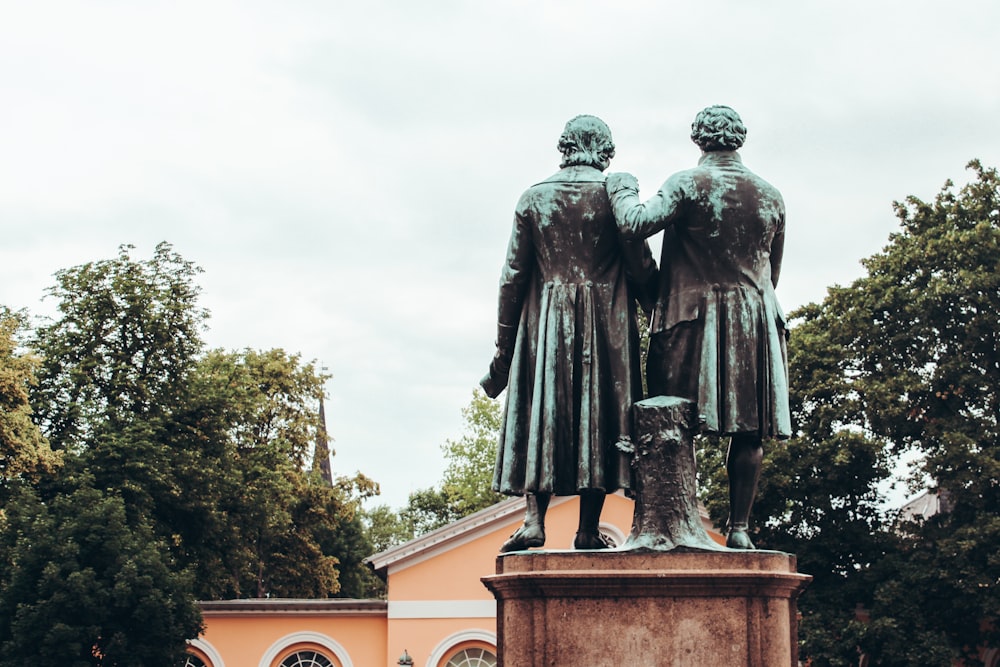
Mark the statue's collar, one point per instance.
(576, 174)
(720, 157)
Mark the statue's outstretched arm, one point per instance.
(638, 219)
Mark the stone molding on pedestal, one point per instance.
(649, 608)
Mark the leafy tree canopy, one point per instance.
(24, 452)
(904, 360)
(929, 381)
(197, 457)
(466, 486)
(468, 474)
(80, 586)
(292, 534)
(127, 336)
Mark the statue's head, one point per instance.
(718, 128)
(586, 140)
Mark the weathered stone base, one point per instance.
(647, 608)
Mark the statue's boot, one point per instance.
(743, 465)
(591, 541)
(738, 537)
(523, 538)
(588, 535)
(532, 533)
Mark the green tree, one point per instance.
(80, 586)
(466, 486)
(114, 390)
(385, 527)
(468, 476)
(114, 367)
(930, 382)
(24, 452)
(123, 347)
(427, 510)
(209, 448)
(819, 496)
(904, 360)
(278, 530)
(348, 538)
(183, 473)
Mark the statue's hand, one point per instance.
(496, 379)
(493, 384)
(619, 181)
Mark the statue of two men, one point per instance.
(567, 343)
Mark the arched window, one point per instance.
(469, 648)
(473, 657)
(305, 649)
(202, 654)
(307, 659)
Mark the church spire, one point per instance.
(322, 453)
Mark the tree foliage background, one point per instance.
(142, 472)
(24, 452)
(904, 362)
(466, 485)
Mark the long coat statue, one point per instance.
(718, 333)
(568, 340)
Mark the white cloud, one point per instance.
(346, 173)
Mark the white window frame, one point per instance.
(290, 641)
(453, 640)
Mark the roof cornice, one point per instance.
(454, 533)
(264, 606)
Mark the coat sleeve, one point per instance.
(514, 279)
(516, 273)
(641, 273)
(778, 247)
(640, 220)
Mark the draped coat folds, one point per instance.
(718, 331)
(568, 287)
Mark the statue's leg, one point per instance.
(588, 534)
(532, 533)
(743, 465)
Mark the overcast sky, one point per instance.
(345, 172)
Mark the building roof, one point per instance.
(924, 506)
(324, 606)
(452, 535)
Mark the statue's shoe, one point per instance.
(738, 539)
(523, 538)
(590, 541)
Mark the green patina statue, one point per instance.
(717, 332)
(567, 341)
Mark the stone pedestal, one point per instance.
(648, 608)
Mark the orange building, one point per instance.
(437, 612)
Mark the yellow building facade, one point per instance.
(437, 612)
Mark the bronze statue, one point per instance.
(567, 341)
(718, 333)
